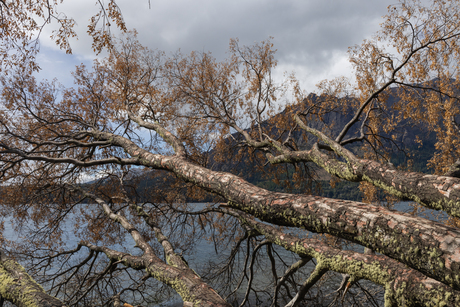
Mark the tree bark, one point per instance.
(19, 288)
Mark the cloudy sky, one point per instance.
(311, 36)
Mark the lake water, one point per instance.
(205, 253)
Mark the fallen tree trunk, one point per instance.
(19, 288)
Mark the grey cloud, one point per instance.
(309, 30)
(306, 32)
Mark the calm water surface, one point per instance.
(205, 251)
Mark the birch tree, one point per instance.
(183, 119)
